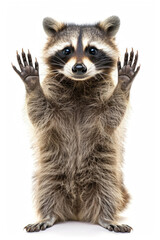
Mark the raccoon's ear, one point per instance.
(51, 26)
(110, 25)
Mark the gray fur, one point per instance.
(51, 26)
(79, 140)
(110, 25)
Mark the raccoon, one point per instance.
(78, 116)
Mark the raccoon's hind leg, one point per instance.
(44, 202)
(123, 228)
(100, 191)
(42, 225)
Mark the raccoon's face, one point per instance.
(81, 52)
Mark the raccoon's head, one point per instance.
(80, 52)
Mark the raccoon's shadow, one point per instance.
(73, 228)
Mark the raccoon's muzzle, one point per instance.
(79, 69)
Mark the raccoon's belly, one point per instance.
(67, 147)
(67, 153)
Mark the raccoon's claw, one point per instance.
(40, 225)
(127, 73)
(123, 228)
(131, 57)
(26, 67)
(30, 58)
(119, 228)
(29, 74)
(36, 65)
(24, 58)
(36, 227)
(126, 57)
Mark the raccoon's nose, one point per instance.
(79, 68)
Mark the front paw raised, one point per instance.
(127, 73)
(29, 74)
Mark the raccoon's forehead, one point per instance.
(84, 35)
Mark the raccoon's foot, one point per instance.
(119, 228)
(127, 73)
(40, 225)
(29, 74)
(123, 228)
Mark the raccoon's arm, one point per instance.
(117, 104)
(39, 109)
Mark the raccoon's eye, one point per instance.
(93, 51)
(66, 51)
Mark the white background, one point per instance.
(21, 26)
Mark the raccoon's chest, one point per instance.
(78, 129)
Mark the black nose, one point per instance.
(79, 68)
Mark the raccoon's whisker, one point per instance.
(105, 60)
(62, 79)
(60, 59)
(105, 74)
(103, 66)
(55, 73)
(86, 83)
(96, 77)
(57, 64)
(54, 70)
(100, 74)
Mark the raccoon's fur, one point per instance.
(78, 121)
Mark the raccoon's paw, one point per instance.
(119, 228)
(40, 225)
(127, 73)
(29, 74)
(111, 226)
